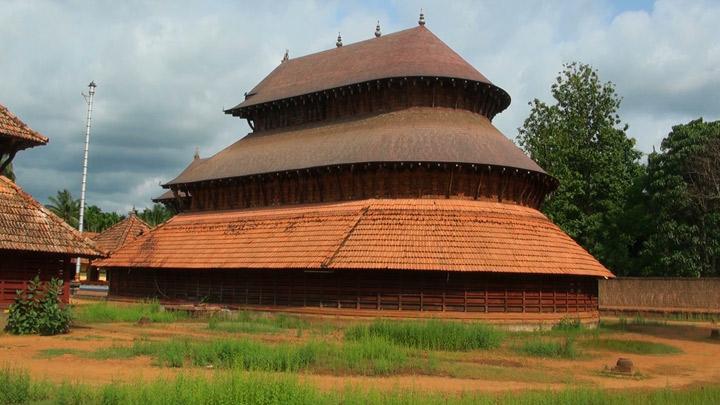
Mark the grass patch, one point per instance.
(52, 353)
(430, 335)
(630, 346)
(104, 312)
(251, 388)
(250, 322)
(370, 356)
(549, 348)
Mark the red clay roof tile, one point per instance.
(446, 235)
(12, 127)
(124, 231)
(26, 225)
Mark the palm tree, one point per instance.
(65, 206)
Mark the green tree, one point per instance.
(96, 220)
(683, 193)
(66, 207)
(156, 215)
(580, 140)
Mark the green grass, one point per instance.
(630, 346)
(430, 335)
(248, 322)
(549, 348)
(370, 356)
(104, 312)
(251, 388)
(52, 353)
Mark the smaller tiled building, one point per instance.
(111, 239)
(33, 240)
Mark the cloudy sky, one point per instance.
(165, 70)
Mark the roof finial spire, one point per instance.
(377, 30)
(197, 153)
(339, 41)
(286, 56)
(421, 21)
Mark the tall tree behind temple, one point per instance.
(581, 140)
(65, 206)
(156, 215)
(68, 208)
(683, 194)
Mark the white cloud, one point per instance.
(165, 71)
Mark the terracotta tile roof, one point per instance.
(26, 225)
(413, 52)
(11, 127)
(406, 234)
(168, 196)
(419, 134)
(121, 233)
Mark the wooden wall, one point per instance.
(355, 289)
(17, 268)
(377, 96)
(381, 180)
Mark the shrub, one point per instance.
(38, 309)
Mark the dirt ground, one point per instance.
(697, 364)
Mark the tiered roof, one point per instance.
(26, 225)
(404, 234)
(121, 233)
(414, 52)
(419, 134)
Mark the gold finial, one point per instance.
(339, 41)
(421, 21)
(286, 56)
(377, 30)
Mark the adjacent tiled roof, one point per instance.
(28, 226)
(414, 52)
(404, 234)
(11, 127)
(419, 134)
(168, 195)
(124, 231)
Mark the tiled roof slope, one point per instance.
(418, 134)
(12, 127)
(26, 225)
(405, 234)
(409, 53)
(124, 231)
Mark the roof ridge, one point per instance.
(363, 210)
(139, 238)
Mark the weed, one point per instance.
(540, 347)
(430, 335)
(104, 312)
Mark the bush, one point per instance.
(38, 310)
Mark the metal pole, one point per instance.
(89, 101)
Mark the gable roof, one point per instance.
(417, 134)
(414, 52)
(28, 226)
(12, 129)
(124, 231)
(401, 234)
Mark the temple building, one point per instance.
(33, 240)
(113, 238)
(373, 182)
